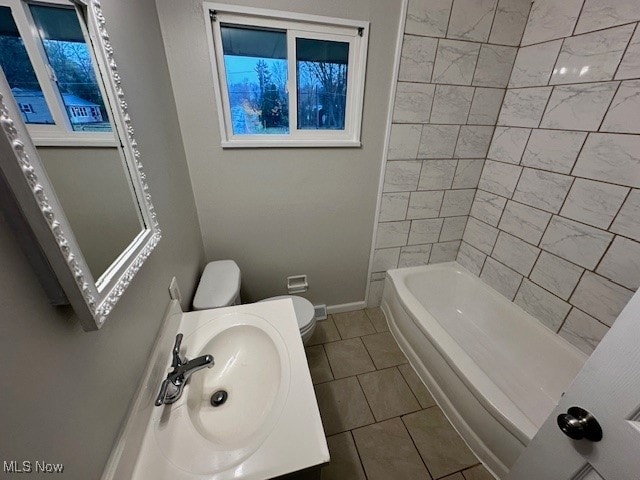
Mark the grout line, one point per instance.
(350, 432)
(565, 320)
(557, 173)
(573, 31)
(433, 37)
(524, 30)
(594, 271)
(368, 352)
(493, 20)
(566, 197)
(544, 231)
(546, 106)
(555, 64)
(366, 399)
(328, 362)
(433, 68)
(606, 112)
(506, 88)
(613, 219)
(554, 129)
(446, 32)
(575, 162)
(430, 113)
(579, 34)
(415, 445)
(635, 29)
(590, 316)
(526, 144)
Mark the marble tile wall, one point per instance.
(555, 222)
(455, 65)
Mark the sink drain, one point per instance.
(219, 397)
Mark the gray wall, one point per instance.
(555, 225)
(281, 212)
(454, 67)
(65, 392)
(97, 198)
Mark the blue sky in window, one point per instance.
(240, 68)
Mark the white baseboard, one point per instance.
(346, 307)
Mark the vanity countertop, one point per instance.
(170, 442)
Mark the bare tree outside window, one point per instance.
(322, 94)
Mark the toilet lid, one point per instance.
(302, 307)
(219, 285)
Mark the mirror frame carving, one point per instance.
(92, 299)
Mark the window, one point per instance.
(51, 72)
(282, 82)
(20, 74)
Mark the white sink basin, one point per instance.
(252, 366)
(269, 425)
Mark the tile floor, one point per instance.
(380, 421)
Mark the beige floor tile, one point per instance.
(388, 394)
(348, 358)
(387, 452)
(342, 405)
(440, 446)
(477, 473)
(353, 324)
(455, 476)
(325, 332)
(318, 364)
(378, 319)
(384, 350)
(416, 385)
(345, 462)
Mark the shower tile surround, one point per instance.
(555, 220)
(455, 64)
(555, 223)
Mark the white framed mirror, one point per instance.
(68, 156)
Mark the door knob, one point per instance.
(577, 423)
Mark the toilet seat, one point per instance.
(303, 308)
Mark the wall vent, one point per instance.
(320, 312)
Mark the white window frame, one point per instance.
(354, 32)
(60, 133)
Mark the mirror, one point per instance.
(68, 152)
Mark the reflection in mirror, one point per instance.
(70, 60)
(91, 183)
(75, 168)
(96, 195)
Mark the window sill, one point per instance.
(289, 143)
(77, 140)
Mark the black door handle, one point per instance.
(577, 423)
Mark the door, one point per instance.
(608, 387)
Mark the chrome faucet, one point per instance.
(172, 386)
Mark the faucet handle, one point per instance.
(177, 361)
(163, 392)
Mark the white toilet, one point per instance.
(220, 287)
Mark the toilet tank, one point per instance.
(219, 286)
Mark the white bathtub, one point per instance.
(495, 371)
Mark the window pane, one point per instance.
(322, 83)
(255, 61)
(20, 74)
(70, 59)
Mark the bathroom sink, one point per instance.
(268, 426)
(250, 381)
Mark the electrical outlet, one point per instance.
(174, 290)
